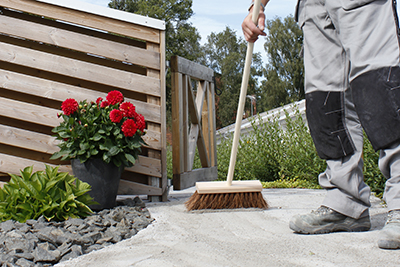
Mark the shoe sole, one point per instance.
(328, 228)
(389, 244)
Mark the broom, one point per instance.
(232, 194)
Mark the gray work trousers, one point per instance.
(346, 43)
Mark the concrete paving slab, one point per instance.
(243, 237)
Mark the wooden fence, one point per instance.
(193, 123)
(51, 50)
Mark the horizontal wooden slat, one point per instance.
(28, 140)
(194, 70)
(132, 188)
(74, 28)
(78, 69)
(79, 42)
(12, 164)
(84, 19)
(153, 139)
(188, 179)
(28, 112)
(58, 91)
(147, 166)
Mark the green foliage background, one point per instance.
(284, 71)
(283, 158)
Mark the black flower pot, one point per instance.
(103, 178)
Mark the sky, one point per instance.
(214, 15)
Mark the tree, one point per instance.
(181, 38)
(225, 53)
(284, 71)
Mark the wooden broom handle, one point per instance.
(242, 98)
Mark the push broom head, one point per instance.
(220, 195)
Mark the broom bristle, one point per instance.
(226, 201)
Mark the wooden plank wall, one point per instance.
(50, 53)
(193, 123)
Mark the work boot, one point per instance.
(325, 220)
(390, 234)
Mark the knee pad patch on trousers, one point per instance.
(325, 116)
(376, 96)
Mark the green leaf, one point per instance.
(57, 155)
(84, 146)
(116, 132)
(27, 186)
(106, 146)
(106, 158)
(65, 134)
(130, 158)
(27, 172)
(2, 195)
(25, 206)
(97, 137)
(114, 151)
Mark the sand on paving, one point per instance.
(247, 237)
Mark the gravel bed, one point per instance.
(41, 243)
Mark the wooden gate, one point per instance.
(193, 123)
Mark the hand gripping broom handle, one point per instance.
(242, 98)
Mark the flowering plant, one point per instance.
(109, 128)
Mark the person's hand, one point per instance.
(252, 31)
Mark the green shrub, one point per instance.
(298, 158)
(257, 154)
(283, 158)
(274, 153)
(290, 183)
(372, 175)
(56, 196)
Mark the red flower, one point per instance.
(129, 128)
(115, 97)
(104, 104)
(141, 124)
(128, 109)
(99, 100)
(116, 115)
(69, 106)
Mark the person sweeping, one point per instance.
(352, 83)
